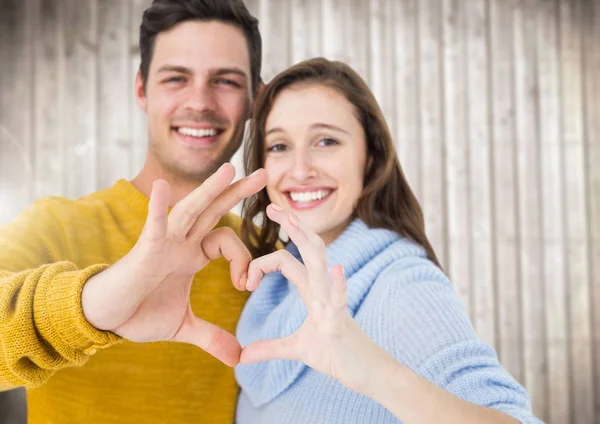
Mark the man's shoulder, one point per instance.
(65, 208)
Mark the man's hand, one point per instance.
(145, 296)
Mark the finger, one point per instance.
(282, 261)
(210, 338)
(339, 288)
(265, 350)
(310, 245)
(155, 227)
(311, 248)
(224, 242)
(230, 197)
(186, 211)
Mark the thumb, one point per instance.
(265, 350)
(156, 224)
(210, 338)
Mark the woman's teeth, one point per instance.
(195, 132)
(309, 196)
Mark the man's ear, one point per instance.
(260, 88)
(140, 92)
(257, 92)
(368, 165)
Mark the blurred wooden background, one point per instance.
(495, 107)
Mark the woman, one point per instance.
(382, 337)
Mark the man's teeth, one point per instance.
(194, 132)
(309, 196)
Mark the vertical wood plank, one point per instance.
(505, 188)
(299, 30)
(406, 72)
(433, 196)
(590, 27)
(457, 165)
(332, 29)
(252, 6)
(480, 169)
(529, 202)
(81, 54)
(356, 34)
(306, 29)
(16, 117)
(5, 99)
(137, 118)
(114, 142)
(553, 214)
(378, 73)
(573, 142)
(49, 99)
(274, 19)
(15, 134)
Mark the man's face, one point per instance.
(197, 97)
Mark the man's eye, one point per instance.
(230, 82)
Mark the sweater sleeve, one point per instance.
(429, 331)
(42, 326)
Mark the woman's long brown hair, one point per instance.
(387, 200)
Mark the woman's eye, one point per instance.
(278, 147)
(328, 142)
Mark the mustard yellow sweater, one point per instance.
(75, 373)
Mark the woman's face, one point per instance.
(316, 154)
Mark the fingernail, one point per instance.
(255, 172)
(276, 207)
(247, 283)
(293, 221)
(244, 282)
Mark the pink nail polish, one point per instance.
(276, 207)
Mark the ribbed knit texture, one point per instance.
(405, 304)
(75, 373)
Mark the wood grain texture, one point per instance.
(552, 193)
(530, 207)
(493, 105)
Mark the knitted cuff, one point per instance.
(58, 313)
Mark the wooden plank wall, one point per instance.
(495, 111)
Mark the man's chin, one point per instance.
(196, 171)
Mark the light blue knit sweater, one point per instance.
(407, 306)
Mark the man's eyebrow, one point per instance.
(225, 71)
(175, 68)
(216, 72)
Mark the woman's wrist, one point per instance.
(389, 378)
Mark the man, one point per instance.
(83, 283)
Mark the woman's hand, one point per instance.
(329, 341)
